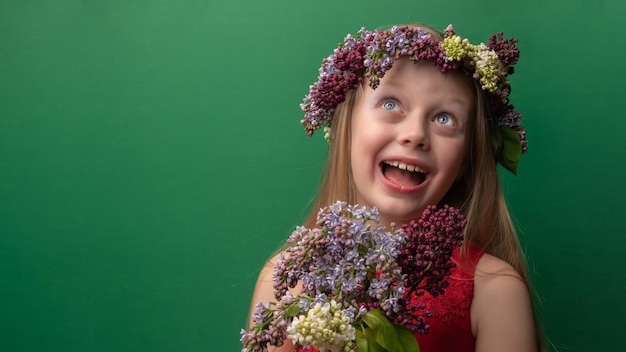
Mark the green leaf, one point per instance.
(361, 341)
(510, 148)
(407, 339)
(292, 311)
(372, 345)
(390, 337)
(496, 142)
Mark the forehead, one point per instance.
(422, 79)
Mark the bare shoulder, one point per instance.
(264, 289)
(502, 311)
(268, 269)
(490, 267)
(498, 284)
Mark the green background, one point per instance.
(151, 159)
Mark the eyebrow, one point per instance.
(451, 99)
(456, 100)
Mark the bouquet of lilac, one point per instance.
(357, 279)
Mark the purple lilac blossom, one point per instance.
(352, 260)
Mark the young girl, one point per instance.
(416, 117)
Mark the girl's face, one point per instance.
(409, 139)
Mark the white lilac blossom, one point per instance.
(355, 276)
(326, 326)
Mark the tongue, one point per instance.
(403, 177)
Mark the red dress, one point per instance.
(450, 324)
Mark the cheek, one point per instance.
(359, 140)
(365, 143)
(363, 151)
(456, 160)
(359, 154)
(461, 169)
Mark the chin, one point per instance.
(399, 214)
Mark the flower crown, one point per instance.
(370, 54)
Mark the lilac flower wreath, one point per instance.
(370, 54)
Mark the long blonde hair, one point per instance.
(477, 193)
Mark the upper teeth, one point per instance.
(403, 166)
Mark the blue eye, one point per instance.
(389, 105)
(443, 119)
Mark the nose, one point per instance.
(413, 132)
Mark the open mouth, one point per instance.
(402, 174)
